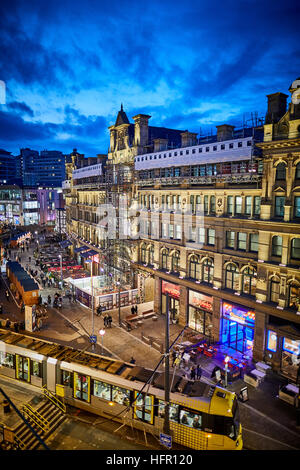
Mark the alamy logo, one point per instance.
(296, 93)
(2, 92)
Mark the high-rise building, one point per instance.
(50, 169)
(10, 169)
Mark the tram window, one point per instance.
(102, 390)
(192, 420)
(66, 378)
(173, 411)
(143, 407)
(36, 368)
(82, 387)
(7, 360)
(120, 395)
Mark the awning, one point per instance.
(89, 253)
(65, 243)
(81, 248)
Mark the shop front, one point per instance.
(288, 350)
(200, 312)
(173, 290)
(237, 328)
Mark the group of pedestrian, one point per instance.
(107, 320)
(196, 372)
(134, 309)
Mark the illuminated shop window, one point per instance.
(272, 341)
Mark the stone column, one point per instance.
(183, 301)
(259, 336)
(216, 319)
(157, 295)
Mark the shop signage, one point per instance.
(172, 289)
(291, 346)
(198, 300)
(235, 313)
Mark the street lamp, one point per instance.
(119, 284)
(227, 358)
(61, 273)
(102, 333)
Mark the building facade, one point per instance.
(218, 230)
(220, 234)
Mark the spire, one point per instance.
(121, 118)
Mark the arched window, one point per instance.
(194, 267)
(143, 254)
(164, 258)
(208, 271)
(297, 175)
(294, 294)
(212, 205)
(151, 254)
(281, 171)
(295, 248)
(249, 281)
(175, 261)
(232, 277)
(277, 246)
(274, 289)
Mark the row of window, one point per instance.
(236, 205)
(213, 148)
(281, 171)
(280, 203)
(145, 406)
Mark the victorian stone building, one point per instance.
(218, 226)
(220, 234)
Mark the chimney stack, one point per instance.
(276, 107)
(224, 132)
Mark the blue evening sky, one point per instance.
(68, 65)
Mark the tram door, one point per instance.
(22, 368)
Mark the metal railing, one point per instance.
(52, 397)
(36, 417)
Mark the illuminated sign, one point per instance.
(272, 341)
(198, 300)
(172, 289)
(238, 314)
(291, 346)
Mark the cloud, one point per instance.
(21, 108)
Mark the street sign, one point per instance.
(93, 339)
(165, 440)
(60, 391)
(244, 394)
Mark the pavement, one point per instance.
(268, 423)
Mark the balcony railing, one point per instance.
(176, 180)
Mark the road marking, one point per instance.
(270, 419)
(270, 438)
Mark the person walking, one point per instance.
(109, 321)
(105, 320)
(7, 295)
(132, 310)
(198, 372)
(193, 373)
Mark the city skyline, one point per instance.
(191, 66)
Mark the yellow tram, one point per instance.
(201, 417)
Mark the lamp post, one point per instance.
(102, 333)
(61, 273)
(226, 369)
(167, 371)
(119, 296)
(92, 291)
